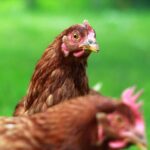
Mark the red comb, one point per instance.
(129, 98)
(87, 25)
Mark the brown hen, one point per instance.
(61, 72)
(91, 122)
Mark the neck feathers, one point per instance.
(56, 77)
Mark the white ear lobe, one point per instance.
(101, 116)
(64, 38)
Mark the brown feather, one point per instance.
(70, 125)
(61, 127)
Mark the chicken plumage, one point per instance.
(61, 72)
(89, 122)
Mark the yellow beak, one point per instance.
(90, 46)
(141, 146)
(138, 139)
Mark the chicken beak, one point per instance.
(90, 46)
(138, 139)
(141, 143)
(142, 147)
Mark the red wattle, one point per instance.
(78, 53)
(64, 50)
(117, 144)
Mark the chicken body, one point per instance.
(72, 125)
(61, 72)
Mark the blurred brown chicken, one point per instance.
(61, 72)
(90, 122)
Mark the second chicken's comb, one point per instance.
(129, 98)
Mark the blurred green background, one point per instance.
(123, 31)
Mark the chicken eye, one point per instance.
(76, 36)
(119, 119)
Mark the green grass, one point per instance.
(123, 61)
